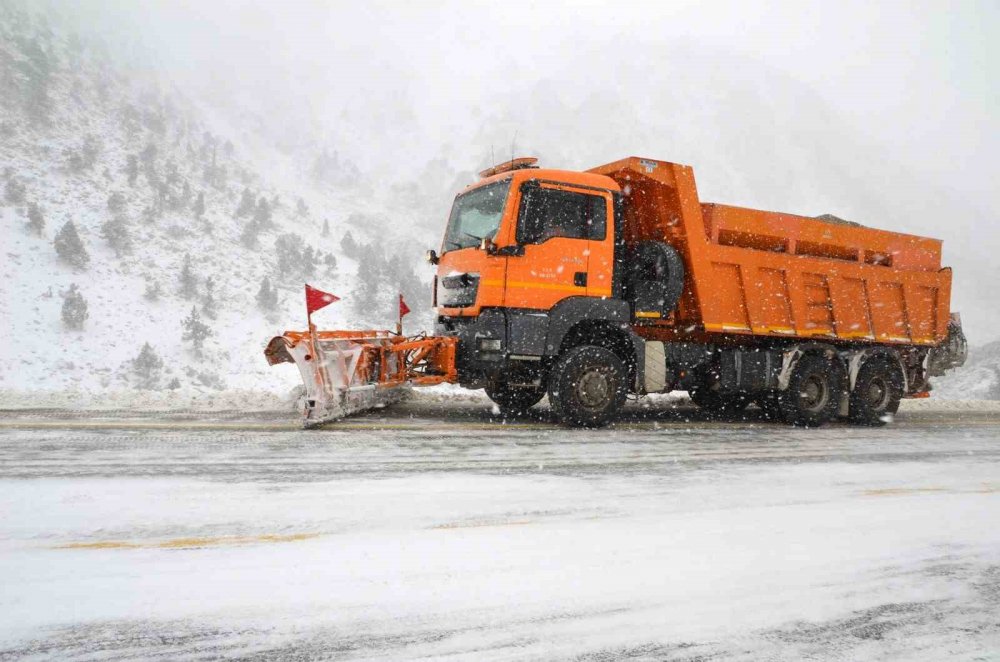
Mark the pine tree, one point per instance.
(195, 331)
(132, 169)
(208, 305)
(36, 221)
(262, 214)
(348, 245)
(309, 260)
(116, 202)
(248, 237)
(288, 251)
(188, 281)
(70, 247)
(267, 296)
(74, 308)
(199, 205)
(247, 204)
(301, 208)
(326, 227)
(331, 262)
(146, 367)
(115, 231)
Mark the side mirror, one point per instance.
(432, 256)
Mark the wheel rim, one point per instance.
(814, 393)
(877, 394)
(593, 388)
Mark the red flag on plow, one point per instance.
(403, 308)
(316, 299)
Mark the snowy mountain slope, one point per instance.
(88, 144)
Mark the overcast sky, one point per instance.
(920, 77)
(885, 113)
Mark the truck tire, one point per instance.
(877, 392)
(513, 399)
(813, 394)
(719, 404)
(587, 386)
(654, 280)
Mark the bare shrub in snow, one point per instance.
(69, 246)
(153, 291)
(74, 308)
(146, 367)
(14, 191)
(195, 331)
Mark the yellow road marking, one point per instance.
(190, 543)
(907, 491)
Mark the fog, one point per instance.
(882, 114)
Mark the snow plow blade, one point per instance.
(346, 372)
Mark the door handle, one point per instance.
(580, 279)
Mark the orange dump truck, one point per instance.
(589, 286)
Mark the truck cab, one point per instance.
(528, 254)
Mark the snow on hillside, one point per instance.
(978, 379)
(151, 182)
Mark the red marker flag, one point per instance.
(316, 299)
(403, 308)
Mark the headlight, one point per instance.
(489, 344)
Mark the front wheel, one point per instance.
(587, 386)
(513, 399)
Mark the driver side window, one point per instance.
(546, 213)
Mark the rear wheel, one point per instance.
(587, 386)
(877, 392)
(513, 399)
(813, 394)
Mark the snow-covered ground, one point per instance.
(467, 539)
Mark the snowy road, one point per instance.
(388, 537)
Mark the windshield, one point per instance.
(475, 216)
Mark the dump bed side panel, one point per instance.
(772, 274)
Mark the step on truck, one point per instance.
(592, 286)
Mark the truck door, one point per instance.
(564, 246)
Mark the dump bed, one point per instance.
(763, 273)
